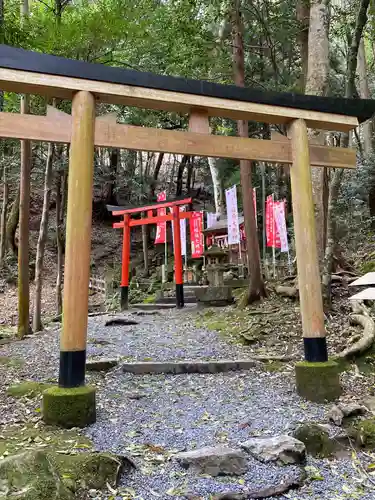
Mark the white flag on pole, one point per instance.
(183, 233)
(211, 219)
(232, 215)
(279, 214)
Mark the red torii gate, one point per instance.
(128, 223)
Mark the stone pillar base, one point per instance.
(69, 407)
(318, 382)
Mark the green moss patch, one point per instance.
(318, 382)
(69, 407)
(30, 389)
(13, 362)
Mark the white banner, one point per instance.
(211, 219)
(279, 214)
(182, 232)
(232, 215)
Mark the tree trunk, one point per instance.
(350, 91)
(217, 186)
(180, 175)
(145, 245)
(43, 231)
(61, 189)
(3, 216)
(256, 287)
(189, 175)
(303, 14)
(317, 84)
(12, 223)
(159, 163)
(364, 92)
(110, 188)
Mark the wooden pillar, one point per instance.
(125, 263)
(310, 290)
(78, 242)
(178, 257)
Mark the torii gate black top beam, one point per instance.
(25, 60)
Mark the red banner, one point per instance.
(161, 227)
(272, 235)
(196, 225)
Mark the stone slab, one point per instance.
(101, 364)
(179, 367)
(367, 294)
(366, 279)
(214, 461)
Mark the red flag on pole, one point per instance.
(272, 234)
(161, 227)
(196, 225)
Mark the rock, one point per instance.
(352, 409)
(335, 415)
(316, 439)
(365, 433)
(370, 404)
(101, 364)
(135, 395)
(214, 461)
(318, 382)
(280, 449)
(31, 476)
(214, 296)
(30, 389)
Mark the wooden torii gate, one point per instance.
(127, 223)
(85, 84)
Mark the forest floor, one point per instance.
(150, 418)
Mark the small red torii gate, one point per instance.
(127, 223)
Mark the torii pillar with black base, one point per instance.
(178, 268)
(124, 300)
(317, 378)
(72, 403)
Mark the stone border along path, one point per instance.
(152, 417)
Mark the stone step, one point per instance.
(172, 300)
(152, 306)
(195, 366)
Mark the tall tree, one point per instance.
(24, 214)
(43, 231)
(303, 14)
(256, 287)
(317, 83)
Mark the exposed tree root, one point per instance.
(365, 342)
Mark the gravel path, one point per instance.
(152, 417)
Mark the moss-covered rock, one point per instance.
(31, 476)
(29, 388)
(316, 440)
(87, 470)
(365, 433)
(69, 407)
(8, 361)
(318, 382)
(43, 475)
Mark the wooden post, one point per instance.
(178, 257)
(78, 242)
(125, 264)
(310, 290)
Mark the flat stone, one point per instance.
(214, 461)
(120, 322)
(101, 364)
(351, 409)
(178, 367)
(369, 403)
(280, 449)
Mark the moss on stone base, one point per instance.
(69, 407)
(318, 382)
